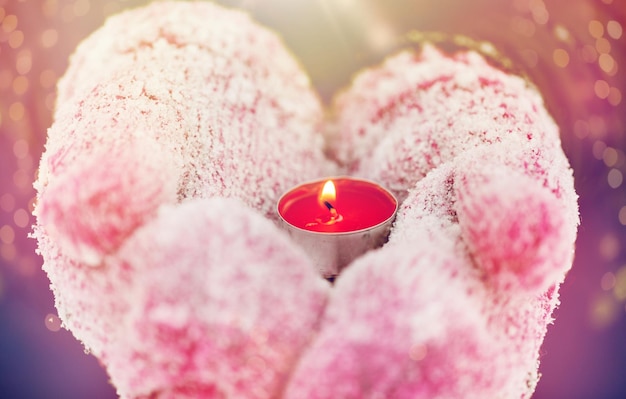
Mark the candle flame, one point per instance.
(326, 198)
(329, 193)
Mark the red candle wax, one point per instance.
(355, 205)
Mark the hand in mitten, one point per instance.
(457, 303)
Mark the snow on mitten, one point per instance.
(419, 110)
(192, 81)
(516, 208)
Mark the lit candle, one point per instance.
(336, 220)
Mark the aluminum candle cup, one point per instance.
(337, 219)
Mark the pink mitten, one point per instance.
(178, 296)
(457, 303)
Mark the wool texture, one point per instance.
(177, 127)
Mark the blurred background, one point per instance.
(574, 51)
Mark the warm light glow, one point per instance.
(327, 199)
(560, 57)
(614, 29)
(329, 193)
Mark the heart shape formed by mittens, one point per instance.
(178, 126)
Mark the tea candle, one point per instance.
(337, 219)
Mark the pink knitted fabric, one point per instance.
(177, 127)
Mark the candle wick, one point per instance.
(335, 217)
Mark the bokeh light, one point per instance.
(573, 51)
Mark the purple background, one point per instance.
(573, 50)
